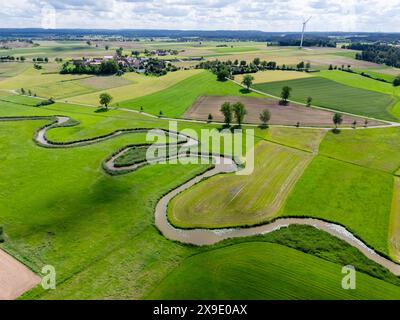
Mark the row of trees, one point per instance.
(228, 69)
(12, 58)
(237, 111)
(231, 111)
(378, 53)
(107, 67)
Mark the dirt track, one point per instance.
(280, 115)
(15, 278)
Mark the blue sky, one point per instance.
(265, 15)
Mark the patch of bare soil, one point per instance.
(15, 278)
(280, 115)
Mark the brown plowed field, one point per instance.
(282, 115)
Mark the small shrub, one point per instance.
(45, 102)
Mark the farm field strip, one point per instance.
(241, 200)
(341, 192)
(333, 95)
(188, 90)
(394, 230)
(275, 75)
(264, 271)
(290, 115)
(142, 86)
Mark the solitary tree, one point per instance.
(161, 114)
(22, 91)
(337, 119)
(354, 124)
(285, 95)
(105, 100)
(309, 101)
(248, 81)
(210, 117)
(226, 110)
(240, 112)
(265, 116)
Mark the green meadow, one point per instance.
(187, 92)
(341, 192)
(333, 95)
(264, 271)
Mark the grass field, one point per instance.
(374, 148)
(230, 200)
(92, 218)
(303, 139)
(341, 192)
(333, 95)
(265, 271)
(12, 69)
(235, 49)
(141, 86)
(394, 230)
(275, 75)
(358, 81)
(175, 100)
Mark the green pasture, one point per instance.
(232, 200)
(356, 197)
(265, 271)
(175, 100)
(333, 95)
(373, 148)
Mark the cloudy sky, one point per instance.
(265, 15)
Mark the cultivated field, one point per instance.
(230, 201)
(283, 115)
(188, 91)
(333, 95)
(275, 75)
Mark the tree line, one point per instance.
(378, 53)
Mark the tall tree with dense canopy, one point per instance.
(248, 81)
(223, 73)
(105, 100)
(226, 110)
(285, 95)
(240, 112)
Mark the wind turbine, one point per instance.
(302, 33)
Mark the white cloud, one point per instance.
(266, 15)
